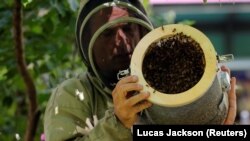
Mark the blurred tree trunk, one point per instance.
(33, 112)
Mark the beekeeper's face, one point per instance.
(113, 49)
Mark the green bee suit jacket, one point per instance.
(78, 110)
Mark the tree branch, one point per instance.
(33, 113)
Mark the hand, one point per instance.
(232, 100)
(127, 106)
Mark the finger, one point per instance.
(122, 90)
(141, 106)
(137, 98)
(128, 79)
(232, 103)
(226, 69)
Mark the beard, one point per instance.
(113, 69)
(111, 77)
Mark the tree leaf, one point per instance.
(26, 2)
(58, 6)
(5, 18)
(3, 71)
(73, 4)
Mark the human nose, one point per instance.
(121, 40)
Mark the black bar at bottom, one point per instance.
(194, 132)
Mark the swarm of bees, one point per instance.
(174, 64)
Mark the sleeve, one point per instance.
(66, 115)
(108, 129)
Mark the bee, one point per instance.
(162, 28)
(174, 30)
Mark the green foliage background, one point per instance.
(50, 52)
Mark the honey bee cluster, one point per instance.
(173, 64)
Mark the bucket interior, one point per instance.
(173, 64)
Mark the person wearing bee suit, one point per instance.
(98, 104)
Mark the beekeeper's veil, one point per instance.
(86, 39)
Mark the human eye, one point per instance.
(108, 32)
(128, 27)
